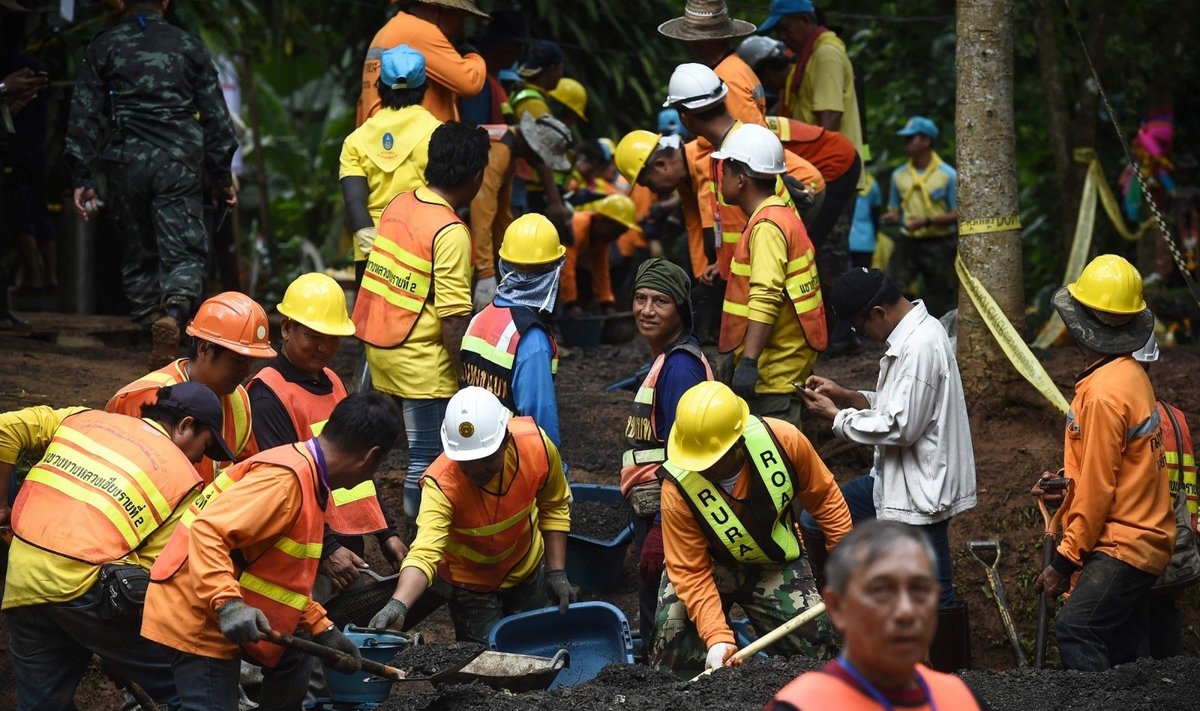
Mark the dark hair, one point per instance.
(867, 543)
(708, 113)
(399, 98)
(458, 151)
(166, 416)
(764, 184)
(363, 421)
(194, 350)
(593, 152)
(772, 63)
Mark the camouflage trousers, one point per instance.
(932, 260)
(769, 595)
(157, 206)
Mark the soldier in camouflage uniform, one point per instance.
(156, 88)
(732, 487)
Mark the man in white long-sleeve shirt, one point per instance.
(916, 418)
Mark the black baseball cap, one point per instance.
(197, 401)
(856, 291)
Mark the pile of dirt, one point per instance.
(1145, 685)
(425, 660)
(602, 520)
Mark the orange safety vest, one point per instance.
(829, 151)
(818, 689)
(489, 349)
(351, 512)
(279, 581)
(235, 407)
(801, 285)
(105, 483)
(491, 534)
(640, 463)
(1176, 443)
(399, 271)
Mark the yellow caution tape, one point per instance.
(988, 225)
(1010, 341)
(1107, 199)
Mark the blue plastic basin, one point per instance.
(596, 564)
(361, 687)
(595, 634)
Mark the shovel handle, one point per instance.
(1043, 626)
(771, 637)
(330, 654)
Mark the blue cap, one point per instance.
(402, 67)
(779, 8)
(542, 54)
(919, 126)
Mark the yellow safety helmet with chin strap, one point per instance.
(571, 94)
(315, 300)
(633, 151)
(709, 419)
(618, 208)
(1111, 284)
(531, 240)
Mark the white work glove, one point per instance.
(718, 654)
(364, 239)
(485, 291)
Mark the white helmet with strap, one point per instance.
(694, 87)
(757, 148)
(475, 425)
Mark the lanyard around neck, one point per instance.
(876, 694)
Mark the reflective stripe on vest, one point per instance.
(491, 534)
(1180, 475)
(350, 512)
(743, 543)
(489, 350)
(802, 285)
(399, 269)
(105, 483)
(818, 689)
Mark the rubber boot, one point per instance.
(951, 648)
(814, 547)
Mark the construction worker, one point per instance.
(1119, 524)
(882, 597)
(387, 154)
(230, 331)
(540, 73)
(415, 299)
(709, 33)
(597, 226)
(502, 45)
(730, 485)
(773, 319)
(769, 61)
(916, 418)
(427, 26)
(492, 532)
(90, 519)
(540, 142)
(292, 397)
(572, 97)
(509, 349)
(662, 309)
(243, 559)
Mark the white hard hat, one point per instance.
(1149, 352)
(694, 87)
(756, 48)
(757, 148)
(475, 425)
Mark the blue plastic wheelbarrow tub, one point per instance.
(595, 634)
(596, 564)
(583, 332)
(360, 687)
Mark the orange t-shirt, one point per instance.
(746, 100)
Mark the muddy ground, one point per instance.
(1014, 443)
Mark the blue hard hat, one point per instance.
(402, 67)
(669, 123)
(779, 8)
(919, 126)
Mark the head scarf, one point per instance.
(537, 290)
(669, 278)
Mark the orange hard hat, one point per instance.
(235, 321)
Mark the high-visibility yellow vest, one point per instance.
(489, 350)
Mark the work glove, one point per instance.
(745, 376)
(559, 589)
(724, 372)
(391, 617)
(719, 654)
(241, 623)
(334, 639)
(364, 239)
(485, 291)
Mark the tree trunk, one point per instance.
(1045, 32)
(987, 190)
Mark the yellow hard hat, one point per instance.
(572, 95)
(531, 240)
(633, 151)
(709, 420)
(618, 208)
(316, 300)
(1109, 283)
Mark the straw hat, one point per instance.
(705, 20)
(468, 5)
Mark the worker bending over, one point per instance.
(492, 532)
(597, 227)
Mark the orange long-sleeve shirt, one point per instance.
(449, 74)
(249, 517)
(491, 208)
(1113, 449)
(594, 255)
(689, 563)
(746, 100)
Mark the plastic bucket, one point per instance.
(596, 564)
(595, 634)
(360, 687)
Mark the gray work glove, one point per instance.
(334, 639)
(724, 372)
(391, 617)
(241, 623)
(559, 589)
(745, 377)
(485, 291)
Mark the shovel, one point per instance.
(1049, 535)
(978, 549)
(329, 654)
(771, 637)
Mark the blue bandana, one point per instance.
(535, 290)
